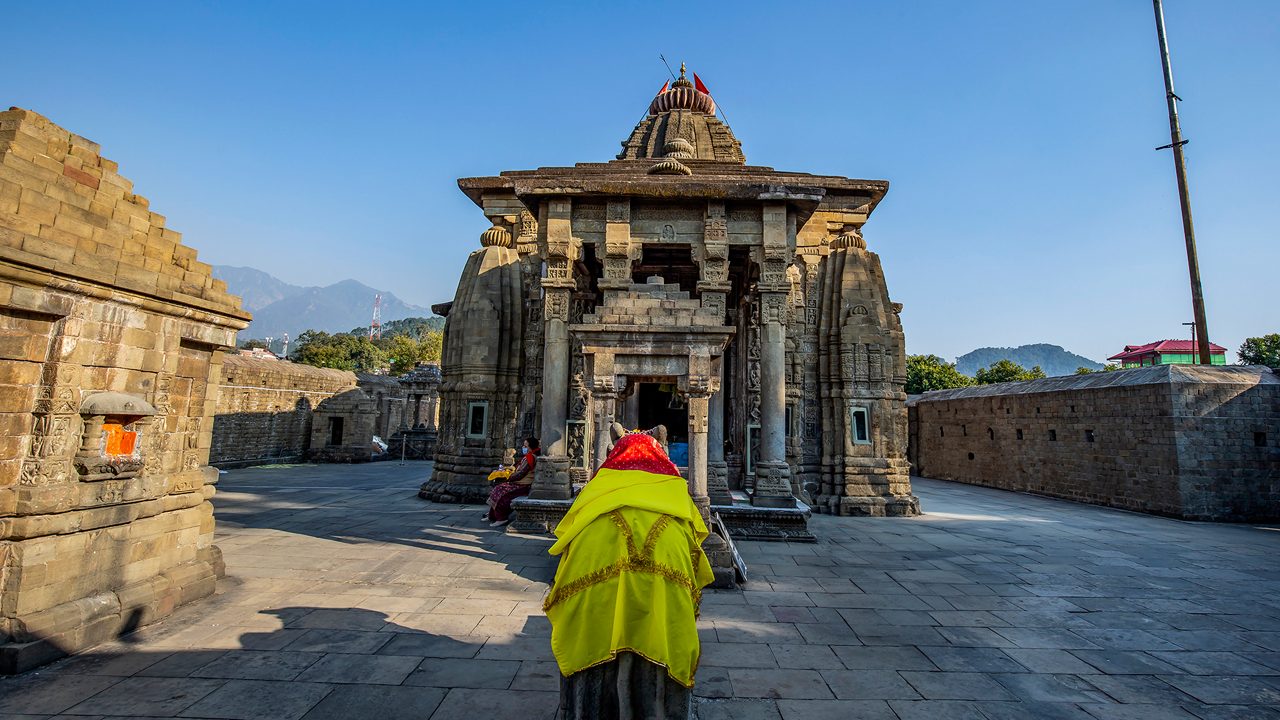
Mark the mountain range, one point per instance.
(1052, 359)
(279, 307)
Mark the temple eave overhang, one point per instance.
(716, 181)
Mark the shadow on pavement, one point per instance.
(316, 664)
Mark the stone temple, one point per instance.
(738, 305)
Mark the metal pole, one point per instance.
(1180, 166)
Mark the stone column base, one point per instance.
(551, 479)
(718, 483)
(773, 485)
(876, 506)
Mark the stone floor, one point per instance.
(347, 597)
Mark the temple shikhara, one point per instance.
(737, 305)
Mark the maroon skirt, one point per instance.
(500, 499)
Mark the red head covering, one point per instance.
(639, 451)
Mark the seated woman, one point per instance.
(517, 484)
(624, 604)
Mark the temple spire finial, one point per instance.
(682, 70)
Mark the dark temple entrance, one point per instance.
(659, 405)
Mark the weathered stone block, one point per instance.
(72, 541)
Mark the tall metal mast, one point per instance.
(375, 326)
(1180, 166)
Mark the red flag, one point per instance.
(697, 83)
(664, 87)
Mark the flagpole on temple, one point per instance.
(1184, 195)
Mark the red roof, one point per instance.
(1163, 346)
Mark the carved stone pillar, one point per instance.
(551, 476)
(713, 259)
(714, 546)
(717, 468)
(618, 250)
(604, 401)
(773, 476)
(698, 408)
(433, 412)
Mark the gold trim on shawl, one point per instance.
(635, 561)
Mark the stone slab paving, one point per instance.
(348, 597)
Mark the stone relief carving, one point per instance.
(557, 306)
(619, 212)
(773, 271)
(774, 308)
(558, 269)
(576, 442)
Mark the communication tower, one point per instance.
(375, 327)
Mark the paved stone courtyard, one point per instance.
(348, 597)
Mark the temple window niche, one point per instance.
(478, 419)
(860, 425)
(109, 447)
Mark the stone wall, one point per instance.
(111, 340)
(1186, 441)
(264, 411)
(389, 398)
(343, 428)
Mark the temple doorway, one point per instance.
(659, 404)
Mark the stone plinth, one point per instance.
(112, 338)
(533, 516)
(753, 522)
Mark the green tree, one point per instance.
(1263, 350)
(366, 356)
(402, 351)
(253, 344)
(1082, 370)
(1006, 371)
(405, 351)
(930, 372)
(340, 352)
(432, 345)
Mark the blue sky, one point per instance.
(320, 141)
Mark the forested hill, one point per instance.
(1052, 359)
